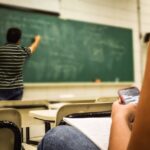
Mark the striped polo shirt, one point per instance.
(12, 58)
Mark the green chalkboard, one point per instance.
(71, 51)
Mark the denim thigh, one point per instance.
(66, 138)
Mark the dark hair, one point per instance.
(147, 37)
(13, 35)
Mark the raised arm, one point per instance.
(35, 44)
(140, 137)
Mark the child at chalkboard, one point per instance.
(12, 58)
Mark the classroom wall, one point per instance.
(145, 27)
(145, 12)
(48, 5)
(118, 13)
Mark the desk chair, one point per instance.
(23, 107)
(97, 115)
(106, 99)
(55, 116)
(79, 109)
(10, 125)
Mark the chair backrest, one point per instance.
(80, 108)
(106, 99)
(10, 126)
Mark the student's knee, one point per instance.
(55, 138)
(66, 138)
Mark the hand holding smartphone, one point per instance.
(129, 95)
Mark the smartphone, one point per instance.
(129, 95)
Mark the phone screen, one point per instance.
(129, 95)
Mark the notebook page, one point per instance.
(96, 129)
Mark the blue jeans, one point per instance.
(66, 138)
(11, 94)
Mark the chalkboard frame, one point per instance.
(14, 7)
(53, 14)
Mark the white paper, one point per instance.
(96, 129)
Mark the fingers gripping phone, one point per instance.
(129, 95)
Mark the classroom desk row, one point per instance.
(56, 115)
(37, 112)
(57, 111)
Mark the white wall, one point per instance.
(72, 91)
(121, 13)
(145, 27)
(46, 5)
(145, 14)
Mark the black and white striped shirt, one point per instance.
(12, 58)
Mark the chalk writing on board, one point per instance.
(71, 51)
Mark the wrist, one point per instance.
(123, 118)
(119, 116)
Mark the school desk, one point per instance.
(56, 115)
